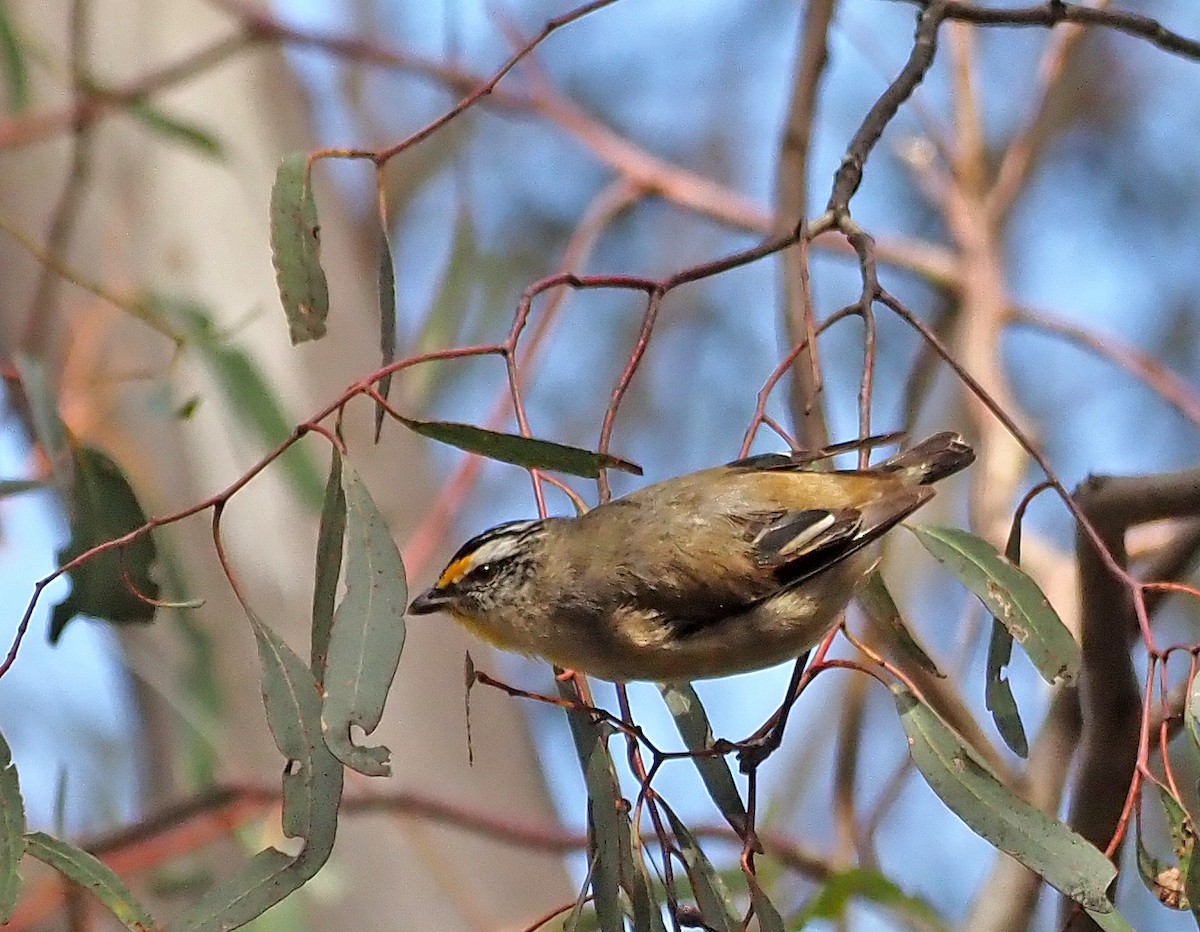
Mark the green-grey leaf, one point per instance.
(175, 129)
(605, 826)
(692, 721)
(842, 887)
(452, 301)
(716, 902)
(874, 597)
(12, 832)
(964, 783)
(768, 916)
(1110, 920)
(312, 789)
(16, 72)
(368, 632)
(249, 394)
(330, 536)
(85, 870)
(647, 914)
(520, 451)
(10, 487)
(48, 427)
(1192, 711)
(102, 508)
(998, 694)
(296, 250)
(1011, 595)
(387, 317)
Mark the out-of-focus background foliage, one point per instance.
(642, 139)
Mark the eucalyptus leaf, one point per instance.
(103, 507)
(387, 315)
(605, 827)
(48, 428)
(312, 789)
(968, 787)
(331, 534)
(1011, 595)
(296, 250)
(841, 888)
(998, 696)
(12, 60)
(368, 632)
(713, 897)
(12, 832)
(93, 876)
(249, 396)
(520, 451)
(874, 597)
(692, 721)
(175, 129)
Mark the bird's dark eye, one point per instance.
(484, 571)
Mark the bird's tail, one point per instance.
(932, 459)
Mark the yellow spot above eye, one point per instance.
(454, 572)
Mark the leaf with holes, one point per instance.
(1011, 595)
(312, 791)
(296, 250)
(368, 632)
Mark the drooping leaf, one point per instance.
(998, 695)
(842, 887)
(249, 395)
(452, 301)
(1011, 595)
(174, 129)
(368, 632)
(312, 790)
(48, 427)
(714, 899)
(387, 315)
(296, 250)
(102, 508)
(85, 870)
(874, 597)
(12, 60)
(769, 919)
(967, 786)
(605, 826)
(330, 537)
(520, 451)
(10, 487)
(1192, 710)
(692, 721)
(12, 832)
(647, 914)
(603, 820)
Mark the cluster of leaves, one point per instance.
(620, 881)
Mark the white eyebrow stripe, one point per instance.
(497, 548)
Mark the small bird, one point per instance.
(717, 572)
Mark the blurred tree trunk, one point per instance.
(158, 215)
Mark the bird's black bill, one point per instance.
(428, 602)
